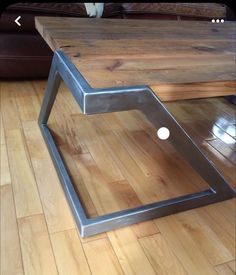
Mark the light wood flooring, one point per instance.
(116, 162)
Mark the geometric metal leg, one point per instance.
(94, 101)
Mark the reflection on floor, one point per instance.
(116, 161)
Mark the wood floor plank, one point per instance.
(160, 255)
(69, 254)
(78, 182)
(201, 241)
(199, 125)
(9, 108)
(147, 189)
(56, 209)
(210, 244)
(5, 177)
(217, 215)
(23, 181)
(223, 165)
(36, 248)
(97, 185)
(86, 176)
(95, 143)
(223, 104)
(11, 261)
(224, 149)
(183, 246)
(119, 195)
(129, 252)
(100, 251)
(64, 131)
(66, 100)
(144, 229)
(163, 154)
(232, 265)
(224, 269)
(26, 101)
(39, 87)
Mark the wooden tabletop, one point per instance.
(176, 59)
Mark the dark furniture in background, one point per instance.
(24, 54)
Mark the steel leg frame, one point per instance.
(94, 101)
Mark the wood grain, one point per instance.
(5, 177)
(224, 269)
(200, 241)
(129, 252)
(98, 252)
(184, 246)
(36, 248)
(161, 257)
(23, 180)
(205, 238)
(11, 261)
(69, 254)
(9, 108)
(178, 60)
(57, 213)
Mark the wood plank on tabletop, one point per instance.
(152, 78)
(127, 62)
(171, 31)
(171, 92)
(52, 22)
(134, 26)
(107, 52)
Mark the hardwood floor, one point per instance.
(115, 161)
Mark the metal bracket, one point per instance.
(94, 101)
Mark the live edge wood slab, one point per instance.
(176, 59)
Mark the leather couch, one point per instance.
(24, 54)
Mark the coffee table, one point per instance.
(104, 63)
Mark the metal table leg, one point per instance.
(94, 101)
